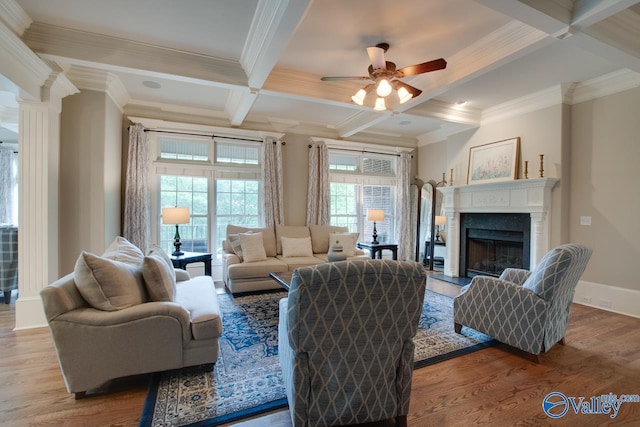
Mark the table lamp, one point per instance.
(375, 215)
(440, 220)
(176, 216)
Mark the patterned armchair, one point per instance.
(527, 310)
(8, 261)
(345, 341)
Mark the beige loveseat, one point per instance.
(247, 275)
(124, 314)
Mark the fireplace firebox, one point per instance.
(491, 242)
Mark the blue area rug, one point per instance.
(247, 379)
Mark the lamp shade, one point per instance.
(375, 215)
(175, 215)
(441, 220)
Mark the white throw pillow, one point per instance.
(296, 246)
(346, 240)
(252, 247)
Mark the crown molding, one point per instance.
(608, 84)
(443, 133)
(23, 68)
(449, 112)
(532, 102)
(14, 16)
(102, 81)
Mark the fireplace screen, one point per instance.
(491, 242)
(491, 257)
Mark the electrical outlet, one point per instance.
(605, 303)
(585, 220)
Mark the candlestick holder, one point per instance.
(541, 166)
(526, 169)
(451, 178)
(444, 179)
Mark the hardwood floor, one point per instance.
(494, 386)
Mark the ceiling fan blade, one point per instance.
(412, 90)
(376, 55)
(425, 67)
(330, 79)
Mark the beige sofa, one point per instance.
(242, 275)
(116, 332)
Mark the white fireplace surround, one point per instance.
(532, 196)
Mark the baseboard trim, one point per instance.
(609, 298)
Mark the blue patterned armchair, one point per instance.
(8, 261)
(526, 310)
(345, 341)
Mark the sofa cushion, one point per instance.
(260, 269)
(294, 231)
(235, 245)
(198, 296)
(268, 236)
(320, 236)
(296, 247)
(107, 284)
(346, 240)
(299, 261)
(124, 251)
(252, 247)
(159, 280)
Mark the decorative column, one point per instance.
(452, 260)
(539, 243)
(39, 160)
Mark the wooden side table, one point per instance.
(377, 248)
(191, 257)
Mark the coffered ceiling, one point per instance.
(257, 63)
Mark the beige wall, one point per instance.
(605, 158)
(90, 148)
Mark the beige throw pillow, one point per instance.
(252, 247)
(296, 247)
(159, 279)
(346, 240)
(157, 250)
(236, 246)
(107, 284)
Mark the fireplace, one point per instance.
(491, 242)
(530, 197)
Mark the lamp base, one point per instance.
(375, 235)
(177, 244)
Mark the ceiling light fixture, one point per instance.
(390, 92)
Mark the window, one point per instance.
(217, 179)
(178, 149)
(191, 192)
(361, 182)
(236, 203)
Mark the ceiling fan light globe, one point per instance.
(384, 88)
(404, 95)
(380, 105)
(358, 98)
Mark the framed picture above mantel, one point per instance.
(494, 162)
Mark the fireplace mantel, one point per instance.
(532, 196)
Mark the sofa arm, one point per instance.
(182, 275)
(147, 312)
(515, 275)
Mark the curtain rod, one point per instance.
(364, 151)
(200, 134)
